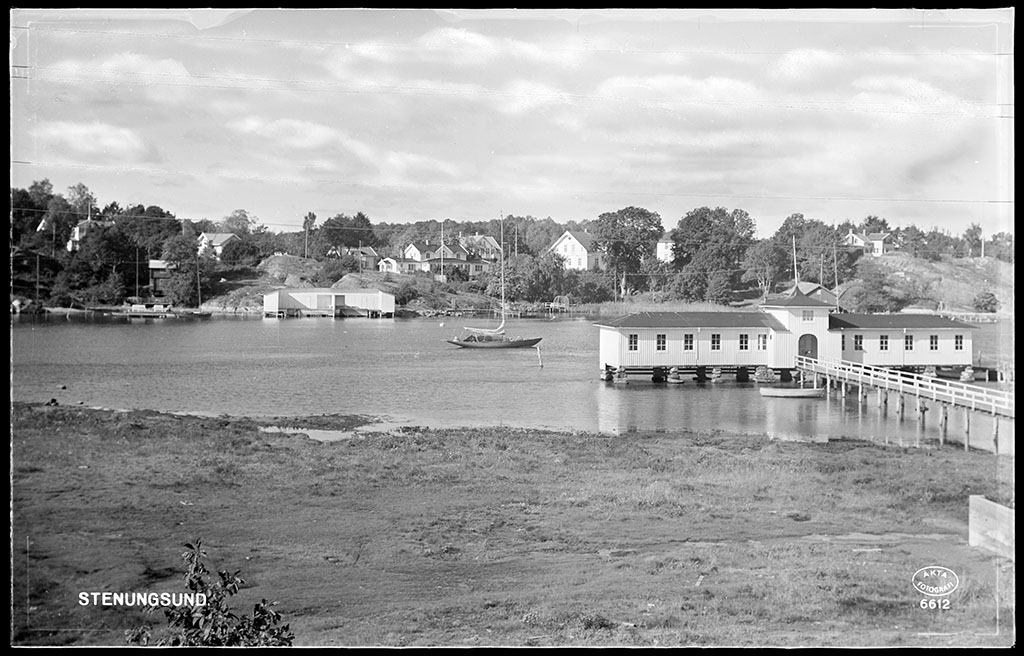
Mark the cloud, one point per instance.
(804, 63)
(297, 135)
(159, 79)
(100, 143)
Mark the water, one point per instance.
(403, 372)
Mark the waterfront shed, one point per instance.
(318, 301)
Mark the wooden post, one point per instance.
(995, 433)
(920, 411)
(943, 420)
(967, 429)
(900, 403)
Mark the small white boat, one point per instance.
(674, 377)
(792, 392)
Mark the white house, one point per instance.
(483, 246)
(578, 250)
(663, 250)
(83, 228)
(215, 242)
(328, 302)
(775, 335)
(875, 243)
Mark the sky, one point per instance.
(468, 115)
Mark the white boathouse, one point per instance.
(328, 302)
(773, 336)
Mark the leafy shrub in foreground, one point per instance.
(213, 624)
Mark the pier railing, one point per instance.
(975, 397)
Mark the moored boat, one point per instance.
(792, 392)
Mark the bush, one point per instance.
(985, 302)
(213, 624)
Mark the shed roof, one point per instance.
(695, 320)
(840, 321)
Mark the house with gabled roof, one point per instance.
(483, 246)
(579, 250)
(875, 243)
(215, 242)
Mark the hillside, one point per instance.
(950, 284)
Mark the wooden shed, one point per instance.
(328, 302)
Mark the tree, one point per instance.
(183, 262)
(710, 241)
(214, 624)
(816, 251)
(1001, 247)
(82, 201)
(240, 251)
(872, 224)
(625, 238)
(763, 262)
(239, 223)
(911, 240)
(972, 240)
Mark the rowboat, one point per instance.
(792, 392)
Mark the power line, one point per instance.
(454, 47)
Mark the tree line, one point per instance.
(713, 252)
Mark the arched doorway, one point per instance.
(808, 346)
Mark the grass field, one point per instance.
(502, 536)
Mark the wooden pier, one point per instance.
(944, 395)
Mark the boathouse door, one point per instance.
(808, 345)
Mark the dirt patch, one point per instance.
(501, 536)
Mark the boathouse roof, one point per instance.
(695, 320)
(796, 298)
(838, 321)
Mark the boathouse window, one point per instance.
(661, 342)
(762, 342)
(632, 341)
(933, 342)
(744, 342)
(858, 342)
(908, 342)
(688, 342)
(716, 342)
(843, 346)
(808, 315)
(883, 342)
(958, 342)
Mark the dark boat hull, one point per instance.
(496, 343)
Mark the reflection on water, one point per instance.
(403, 371)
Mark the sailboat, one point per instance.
(494, 338)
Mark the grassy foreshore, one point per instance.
(502, 536)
